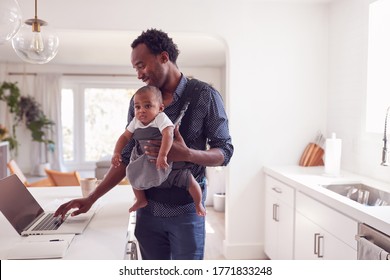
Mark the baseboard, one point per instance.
(244, 251)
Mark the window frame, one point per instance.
(78, 86)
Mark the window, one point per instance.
(67, 119)
(378, 85)
(93, 115)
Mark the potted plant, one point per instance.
(25, 109)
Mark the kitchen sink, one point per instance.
(361, 193)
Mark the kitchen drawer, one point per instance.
(328, 218)
(280, 190)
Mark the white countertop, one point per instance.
(308, 180)
(104, 238)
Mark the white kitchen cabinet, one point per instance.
(279, 220)
(314, 243)
(321, 232)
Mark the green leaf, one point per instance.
(27, 110)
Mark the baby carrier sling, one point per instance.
(188, 102)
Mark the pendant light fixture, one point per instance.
(10, 19)
(36, 42)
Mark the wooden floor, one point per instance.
(215, 234)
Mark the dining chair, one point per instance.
(15, 169)
(60, 178)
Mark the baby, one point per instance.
(151, 122)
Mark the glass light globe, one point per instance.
(10, 19)
(37, 47)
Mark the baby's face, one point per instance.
(146, 107)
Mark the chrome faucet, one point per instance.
(385, 154)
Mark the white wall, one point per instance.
(347, 96)
(278, 86)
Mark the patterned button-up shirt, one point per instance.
(208, 127)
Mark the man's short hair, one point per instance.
(157, 42)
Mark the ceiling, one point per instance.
(96, 36)
(100, 32)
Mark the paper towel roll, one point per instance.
(332, 156)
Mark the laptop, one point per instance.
(28, 218)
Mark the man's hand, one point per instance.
(110, 180)
(178, 152)
(82, 205)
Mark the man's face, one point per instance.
(149, 67)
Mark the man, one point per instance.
(168, 227)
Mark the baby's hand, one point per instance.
(116, 160)
(162, 163)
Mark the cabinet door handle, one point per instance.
(275, 189)
(320, 241)
(275, 212)
(316, 243)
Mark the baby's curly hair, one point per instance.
(157, 42)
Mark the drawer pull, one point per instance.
(277, 190)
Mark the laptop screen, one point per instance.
(17, 204)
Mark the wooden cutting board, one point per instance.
(312, 156)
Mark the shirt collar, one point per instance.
(180, 87)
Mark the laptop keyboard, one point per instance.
(49, 223)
